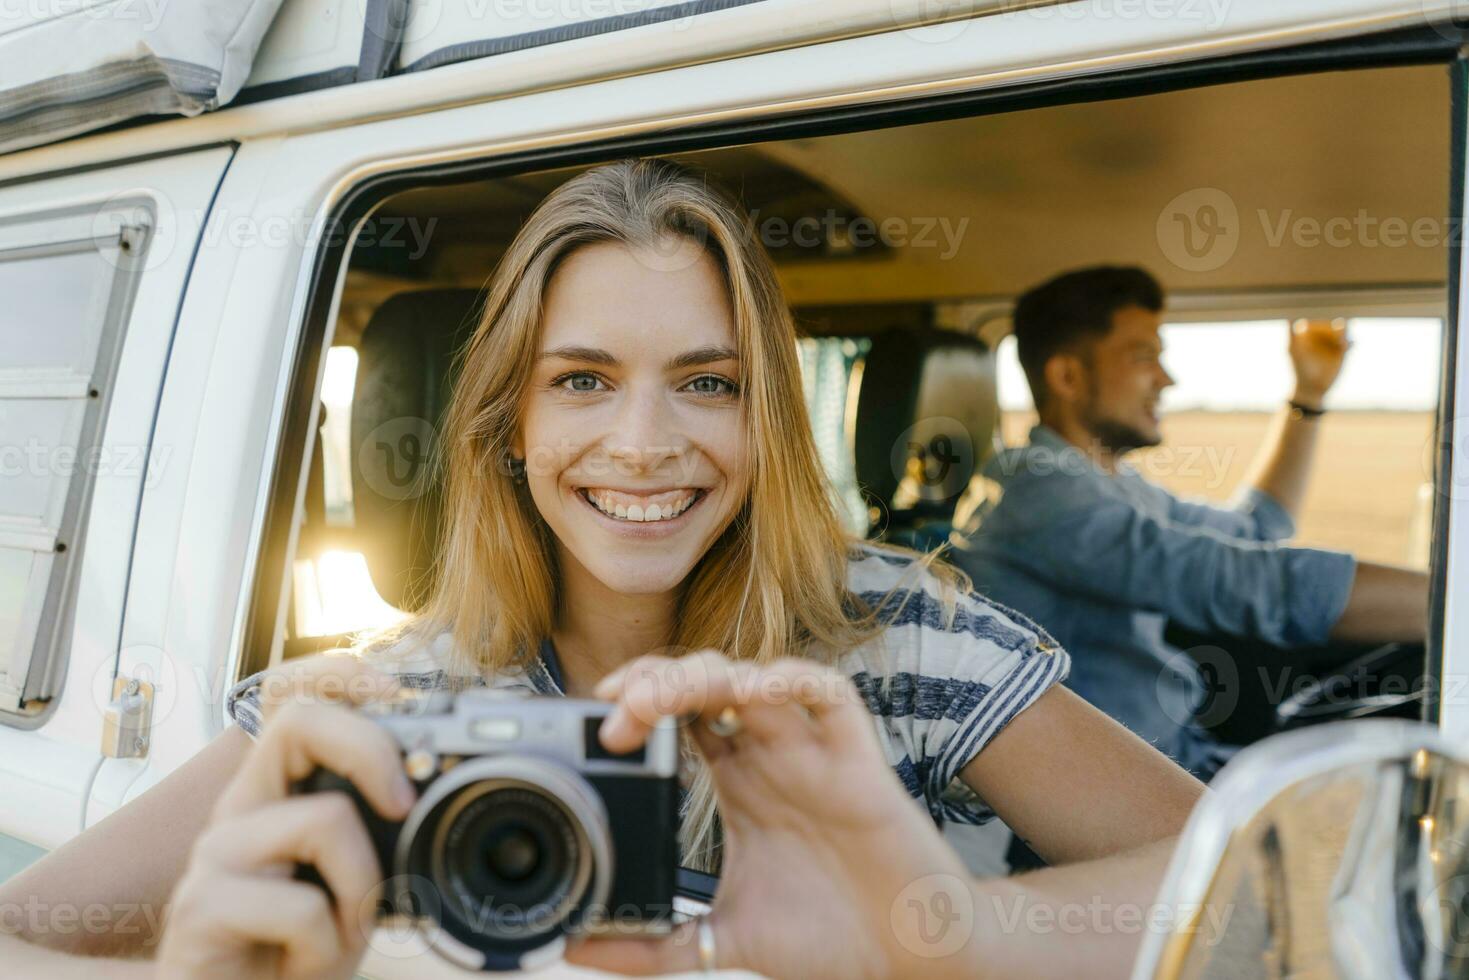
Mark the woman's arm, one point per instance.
(23, 959)
(1076, 785)
(831, 871)
(123, 870)
(126, 865)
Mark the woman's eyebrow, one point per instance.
(701, 355)
(593, 355)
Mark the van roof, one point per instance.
(320, 63)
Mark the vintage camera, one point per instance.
(527, 833)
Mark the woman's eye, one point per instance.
(578, 381)
(713, 384)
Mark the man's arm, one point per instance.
(1286, 596)
(1283, 465)
(1387, 604)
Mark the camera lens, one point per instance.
(516, 849)
(514, 855)
(516, 852)
(509, 860)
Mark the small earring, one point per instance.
(514, 467)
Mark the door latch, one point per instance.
(129, 717)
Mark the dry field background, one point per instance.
(1370, 491)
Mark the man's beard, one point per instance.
(1114, 436)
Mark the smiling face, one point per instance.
(1125, 380)
(632, 428)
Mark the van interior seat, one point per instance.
(927, 420)
(405, 362)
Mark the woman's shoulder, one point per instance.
(920, 599)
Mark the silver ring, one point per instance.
(706, 945)
(726, 723)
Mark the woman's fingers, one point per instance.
(677, 952)
(776, 701)
(323, 830)
(293, 916)
(304, 736)
(338, 676)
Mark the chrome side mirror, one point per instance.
(1335, 851)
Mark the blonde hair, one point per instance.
(772, 585)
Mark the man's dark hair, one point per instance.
(1074, 307)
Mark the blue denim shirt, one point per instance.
(1103, 561)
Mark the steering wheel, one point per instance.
(1358, 689)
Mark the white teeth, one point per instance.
(635, 512)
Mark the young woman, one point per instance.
(631, 479)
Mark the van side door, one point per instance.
(93, 267)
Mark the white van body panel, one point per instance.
(215, 412)
(51, 767)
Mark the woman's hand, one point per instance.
(829, 869)
(237, 912)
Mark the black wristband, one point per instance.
(1306, 411)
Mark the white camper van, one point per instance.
(229, 288)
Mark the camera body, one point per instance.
(527, 833)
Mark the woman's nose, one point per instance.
(645, 432)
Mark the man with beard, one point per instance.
(1079, 541)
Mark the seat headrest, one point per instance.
(404, 377)
(927, 406)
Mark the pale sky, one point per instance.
(1243, 366)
